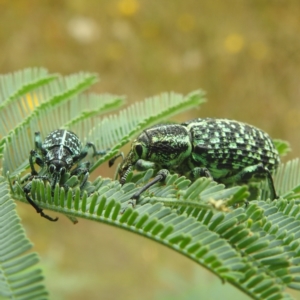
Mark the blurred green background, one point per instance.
(245, 54)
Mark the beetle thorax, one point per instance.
(167, 145)
(59, 159)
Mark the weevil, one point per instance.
(228, 151)
(59, 153)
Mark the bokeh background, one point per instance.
(245, 54)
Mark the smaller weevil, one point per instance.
(59, 152)
(230, 152)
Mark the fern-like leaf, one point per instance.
(243, 246)
(33, 103)
(18, 146)
(283, 147)
(117, 130)
(19, 278)
(22, 82)
(254, 247)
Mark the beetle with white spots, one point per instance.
(227, 151)
(59, 152)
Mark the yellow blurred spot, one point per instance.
(128, 7)
(186, 22)
(259, 50)
(30, 101)
(234, 43)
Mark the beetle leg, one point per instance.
(37, 159)
(95, 152)
(140, 165)
(258, 171)
(160, 176)
(197, 173)
(85, 150)
(82, 169)
(37, 140)
(144, 165)
(112, 160)
(39, 210)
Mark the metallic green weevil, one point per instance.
(228, 151)
(59, 153)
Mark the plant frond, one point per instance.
(19, 278)
(283, 147)
(17, 84)
(75, 111)
(153, 221)
(250, 247)
(286, 181)
(204, 193)
(277, 249)
(32, 104)
(118, 129)
(254, 247)
(88, 107)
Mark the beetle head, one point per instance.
(139, 150)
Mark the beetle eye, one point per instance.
(69, 161)
(51, 168)
(62, 170)
(139, 150)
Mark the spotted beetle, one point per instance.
(59, 152)
(230, 152)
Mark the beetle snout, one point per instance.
(57, 166)
(123, 173)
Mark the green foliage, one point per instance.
(19, 278)
(255, 248)
(283, 147)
